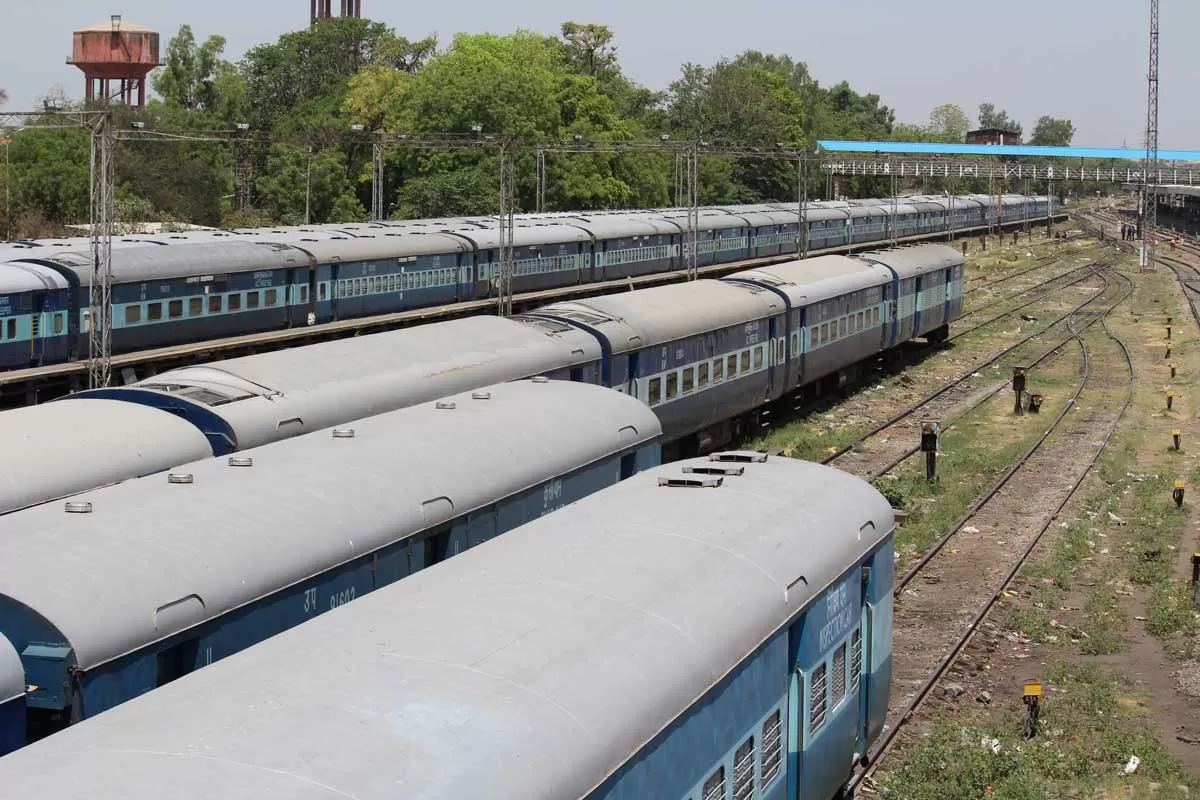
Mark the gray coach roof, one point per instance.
(273, 395)
(12, 673)
(529, 668)
(647, 317)
(917, 259)
(57, 449)
(816, 279)
(149, 263)
(154, 558)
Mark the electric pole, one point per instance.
(1150, 178)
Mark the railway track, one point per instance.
(1011, 515)
(949, 395)
(1040, 262)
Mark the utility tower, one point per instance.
(323, 9)
(1150, 180)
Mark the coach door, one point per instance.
(38, 318)
(949, 295)
(795, 714)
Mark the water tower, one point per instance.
(323, 9)
(116, 57)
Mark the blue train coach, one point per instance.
(125, 589)
(12, 699)
(716, 629)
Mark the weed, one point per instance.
(1090, 724)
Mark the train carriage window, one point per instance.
(195, 306)
(772, 748)
(795, 343)
(860, 320)
(133, 315)
(154, 312)
(855, 659)
(875, 316)
(731, 367)
(743, 771)
(303, 295)
(838, 692)
(824, 333)
(324, 291)
(235, 302)
(689, 380)
(214, 304)
(745, 362)
(12, 328)
(272, 297)
(817, 702)
(718, 370)
(175, 309)
(702, 375)
(842, 327)
(58, 323)
(815, 338)
(758, 356)
(655, 393)
(672, 385)
(251, 299)
(714, 787)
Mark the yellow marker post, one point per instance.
(1032, 699)
(1177, 494)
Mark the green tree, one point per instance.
(195, 76)
(294, 176)
(857, 117)
(1053, 132)
(589, 48)
(949, 123)
(989, 117)
(301, 82)
(50, 174)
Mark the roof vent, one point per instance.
(481, 395)
(739, 457)
(540, 379)
(692, 483)
(79, 508)
(735, 471)
(181, 477)
(343, 433)
(241, 461)
(446, 405)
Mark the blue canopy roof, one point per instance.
(938, 148)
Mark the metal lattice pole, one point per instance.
(506, 221)
(377, 210)
(693, 197)
(1149, 171)
(801, 208)
(893, 235)
(99, 319)
(541, 180)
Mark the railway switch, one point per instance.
(929, 445)
(1176, 437)
(1032, 699)
(1035, 402)
(1177, 494)
(1170, 400)
(1018, 384)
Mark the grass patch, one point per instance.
(1091, 723)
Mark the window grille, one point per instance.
(817, 703)
(772, 748)
(743, 771)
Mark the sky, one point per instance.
(1081, 59)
